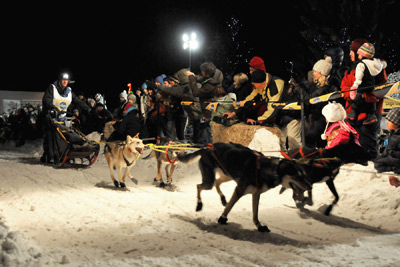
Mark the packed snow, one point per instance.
(75, 217)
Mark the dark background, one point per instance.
(105, 46)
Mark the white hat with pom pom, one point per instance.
(323, 66)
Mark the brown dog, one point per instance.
(169, 157)
(123, 155)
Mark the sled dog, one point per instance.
(253, 173)
(170, 158)
(318, 171)
(123, 155)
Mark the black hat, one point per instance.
(258, 76)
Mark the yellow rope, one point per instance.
(155, 148)
(160, 148)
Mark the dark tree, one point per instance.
(325, 23)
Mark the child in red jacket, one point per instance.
(366, 70)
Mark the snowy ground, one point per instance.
(75, 217)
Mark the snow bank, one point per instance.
(16, 250)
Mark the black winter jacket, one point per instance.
(130, 125)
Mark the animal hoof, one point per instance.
(263, 229)
(122, 185)
(222, 220)
(116, 184)
(223, 200)
(199, 206)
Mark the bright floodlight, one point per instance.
(190, 42)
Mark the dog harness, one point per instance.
(166, 155)
(212, 150)
(126, 161)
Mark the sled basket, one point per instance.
(72, 147)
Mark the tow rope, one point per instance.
(164, 148)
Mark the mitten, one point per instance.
(353, 92)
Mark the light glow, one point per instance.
(190, 42)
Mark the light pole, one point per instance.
(191, 43)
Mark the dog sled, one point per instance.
(71, 146)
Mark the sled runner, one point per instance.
(70, 145)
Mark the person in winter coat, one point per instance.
(181, 93)
(257, 107)
(59, 96)
(130, 124)
(176, 115)
(342, 139)
(366, 71)
(56, 100)
(389, 160)
(337, 130)
(210, 78)
(241, 86)
(368, 131)
(289, 121)
(181, 90)
(321, 70)
(223, 106)
(118, 112)
(98, 117)
(144, 102)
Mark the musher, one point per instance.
(56, 100)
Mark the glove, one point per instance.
(353, 93)
(53, 113)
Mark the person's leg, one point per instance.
(293, 130)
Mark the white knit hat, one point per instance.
(323, 66)
(333, 112)
(123, 94)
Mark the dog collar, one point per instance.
(126, 161)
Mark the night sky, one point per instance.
(105, 46)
